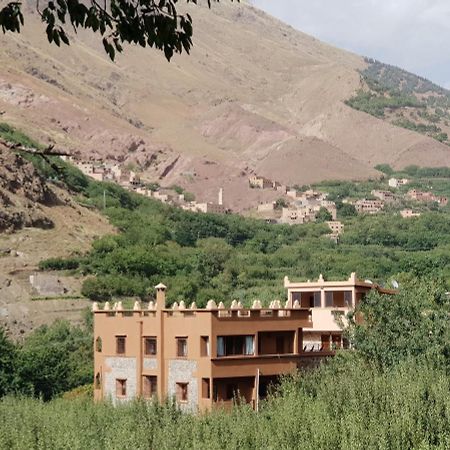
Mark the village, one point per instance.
(294, 206)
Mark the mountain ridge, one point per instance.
(254, 96)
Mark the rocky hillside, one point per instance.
(255, 96)
(23, 192)
(404, 99)
(38, 221)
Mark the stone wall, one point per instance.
(150, 364)
(182, 371)
(121, 368)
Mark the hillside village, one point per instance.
(294, 206)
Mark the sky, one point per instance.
(411, 34)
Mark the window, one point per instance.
(205, 388)
(121, 388)
(279, 344)
(348, 299)
(182, 347)
(235, 345)
(204, 346)
(98, 344)
(150, 346)
(120, 345)
(329, 299)
(98, 381)
(317, 299)
(150, 386)
(182, 392)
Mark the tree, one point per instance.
(346, 210)
(411, 324)
(7, 363)
(54, 359)
(281, 203)
(148, 23)
(323, 215)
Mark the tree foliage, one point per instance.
(148, 23)
(410, 325)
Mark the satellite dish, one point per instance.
(395, 284)
(368, 281)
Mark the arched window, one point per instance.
(98, 344)
(98, 381)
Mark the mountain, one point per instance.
(254, 96)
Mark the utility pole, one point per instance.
(104, 199)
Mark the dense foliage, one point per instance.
(346, 405)
(51, 360)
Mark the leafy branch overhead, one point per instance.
(152, 23)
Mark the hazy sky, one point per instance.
(412, 34)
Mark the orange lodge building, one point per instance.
(206, 357)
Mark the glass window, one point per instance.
(220, 346)
(348, 298)
(150, 346)
(204, 346)
(182, 392)
(121, 388)
(249, 345)
(235, 345)
(120, 345)
(329, 299)
(317, 300)
(182, 347)
(150, 386)
(206, 388)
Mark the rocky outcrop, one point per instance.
(22, 192)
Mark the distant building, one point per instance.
(396, 182)
(336, 227)
(385, 196)
(365, 206)
(260, 182)
(426, 197)
(295, 216)
(408, 213)
(208, 207)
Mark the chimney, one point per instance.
(160, 296)
(221, 196)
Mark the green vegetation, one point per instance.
(50, 361)
(323, 215)
(392, 392)
(404, 99)
(11, 134)
(203, 256)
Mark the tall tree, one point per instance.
(148, 23)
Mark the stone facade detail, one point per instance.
(150, 364)
(120, 368)
(182, 371)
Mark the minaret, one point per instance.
(221, 196)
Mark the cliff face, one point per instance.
(254, 96)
